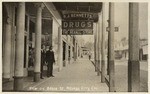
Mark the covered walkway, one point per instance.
(79, 76)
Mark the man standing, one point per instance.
(50, 60)
(42, 60)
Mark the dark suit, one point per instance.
(43, 55)
(50, 60)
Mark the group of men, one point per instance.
(47, 57)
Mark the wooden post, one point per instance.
(76, 50)
(103, 45)
(74, 56)
(66, 54)
(133, 64)
(96, 63)
(71, 53)
(95, 50)
(99, 42)
(111, 49)
(27, 49)
(108, 50)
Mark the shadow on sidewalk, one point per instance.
(7, 85)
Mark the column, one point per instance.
(108, 50)
(7, 49)
(98, 47)
(66, 55)
(99, 41)
(103, 45)
(38, 32)
(95, 33)
(133, 63)
(60, 62)
(111, 49)
(27, 49)
(77, 51)
(70, 53)
(18, 76)
(74, 51)
(96, 63)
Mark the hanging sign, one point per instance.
(77, 24)
(72, 15)
(77, 15)
(77, 31)
(77, 27)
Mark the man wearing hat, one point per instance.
(50, 60)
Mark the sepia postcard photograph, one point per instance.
(74, 46)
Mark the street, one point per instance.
(121, 75)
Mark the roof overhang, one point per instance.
(81, 7)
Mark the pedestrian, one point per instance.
(89, 56)
(43, 56)
(81, 56)
(50, 60)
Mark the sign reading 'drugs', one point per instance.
(77, 27)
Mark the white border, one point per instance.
(73, 1)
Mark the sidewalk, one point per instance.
(79, 76)
(75, 77)
(8, 85)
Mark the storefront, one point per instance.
(22, 39)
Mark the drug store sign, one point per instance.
(77, 27)
(77, 23)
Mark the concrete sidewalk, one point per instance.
(78, 76)
(8, 85)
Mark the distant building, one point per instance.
(121, 49)
(143, 49)
(85, 50)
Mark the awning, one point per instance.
(79, 7)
